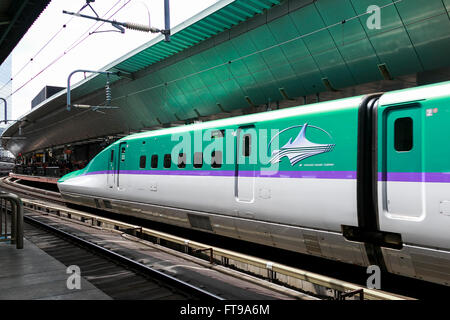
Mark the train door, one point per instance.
(121, 162)
(246, 158)
(403, 162)
(111, 168)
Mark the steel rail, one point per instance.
(155, 274)
(30, 191)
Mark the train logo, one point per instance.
(301, 148)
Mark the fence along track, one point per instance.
(11, 227)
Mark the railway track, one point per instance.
(13, 186)
(116, 275)
(307, 282)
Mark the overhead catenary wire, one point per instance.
(117, 24)
(76, 43)
(63, 27)
(87, 33)
(38, 52)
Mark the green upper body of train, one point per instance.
(220, 135)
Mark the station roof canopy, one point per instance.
(238, 53)
(214, 21)
(16, 17)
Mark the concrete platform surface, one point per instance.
(30, 274)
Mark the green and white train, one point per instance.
(363, 180)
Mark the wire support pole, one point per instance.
(119, 25)
(129, 25)
(107, 73)
(166, 31)
(6, 110)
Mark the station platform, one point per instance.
(31, 274)
(44, 179)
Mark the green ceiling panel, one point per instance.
(282, 30)
(189, 67)
(431, 39)
(446, 4)
(178, 100)
(398, 54)
(310, 75)
(268, 84)
(274, 57)
(392, 43)
(235, 93)
(255, 64)
(302, 62)
(321, 46)
(411, 11)
(247, 81)
(351, 39)
(180, 92)
(362, 61)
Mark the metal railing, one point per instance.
(40, 171)
(11, 225)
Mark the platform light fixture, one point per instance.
(326, 82)
(385, 72)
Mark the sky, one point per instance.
(95, 52)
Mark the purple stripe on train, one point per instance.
(415, 176)
(390, 176)
(232, 173)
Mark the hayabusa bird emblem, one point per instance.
(301, 148)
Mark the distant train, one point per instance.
(363, 180)
(6, 166)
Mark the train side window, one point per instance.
(216, 159)
(167, 160)
(182, 160)
(247, 143)
(198, 159)
(154, 161)
(142, 162)
(403, 134)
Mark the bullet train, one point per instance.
(362, 180)
(6, 166)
